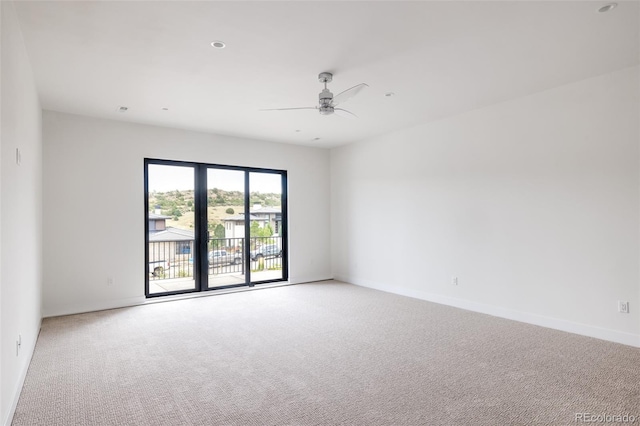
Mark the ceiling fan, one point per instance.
(327, 102)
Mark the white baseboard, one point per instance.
(498, 311)
(23, 375)
(310, 279)
(92, 306)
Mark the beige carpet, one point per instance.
(316, 354)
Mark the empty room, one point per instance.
(319, 212)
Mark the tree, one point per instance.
(255, 229)
(267, 230)
(230, 211)
(218, 232)
(261, 231)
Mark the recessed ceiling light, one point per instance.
(297, 131)
(122, 109)
(165, 109)
(315, 139)
(218, 44)
(607, 7)
(389, 94)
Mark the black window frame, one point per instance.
(200, 222)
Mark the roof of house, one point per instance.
(267, 210)
(240, 216)
(158, 216)
(254, 212)
(172, 234)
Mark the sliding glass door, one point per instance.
(213, 226)
(266, 227)
(170, 218)
(225, 216)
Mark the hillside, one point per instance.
(179, 205)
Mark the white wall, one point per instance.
(533, 204)
(94, 211)
(21, 225)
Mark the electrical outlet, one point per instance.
(110, 281)
(454, 280)
(623, 307)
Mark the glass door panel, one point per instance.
(266, 227)
(171, 221)
(226, 227)
(213, 226)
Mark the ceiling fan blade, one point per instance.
(348, 94)
(344, 113)
(286, 109)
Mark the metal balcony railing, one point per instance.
(174, 259)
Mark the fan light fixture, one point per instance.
(327, 103)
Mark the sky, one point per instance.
(163, 178)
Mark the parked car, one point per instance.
(222, 257)
(266, 251)
(157, 267)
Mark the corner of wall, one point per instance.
(534, 203)
(21, 212)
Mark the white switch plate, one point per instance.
(18, 156)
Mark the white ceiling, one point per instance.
(439, 58)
